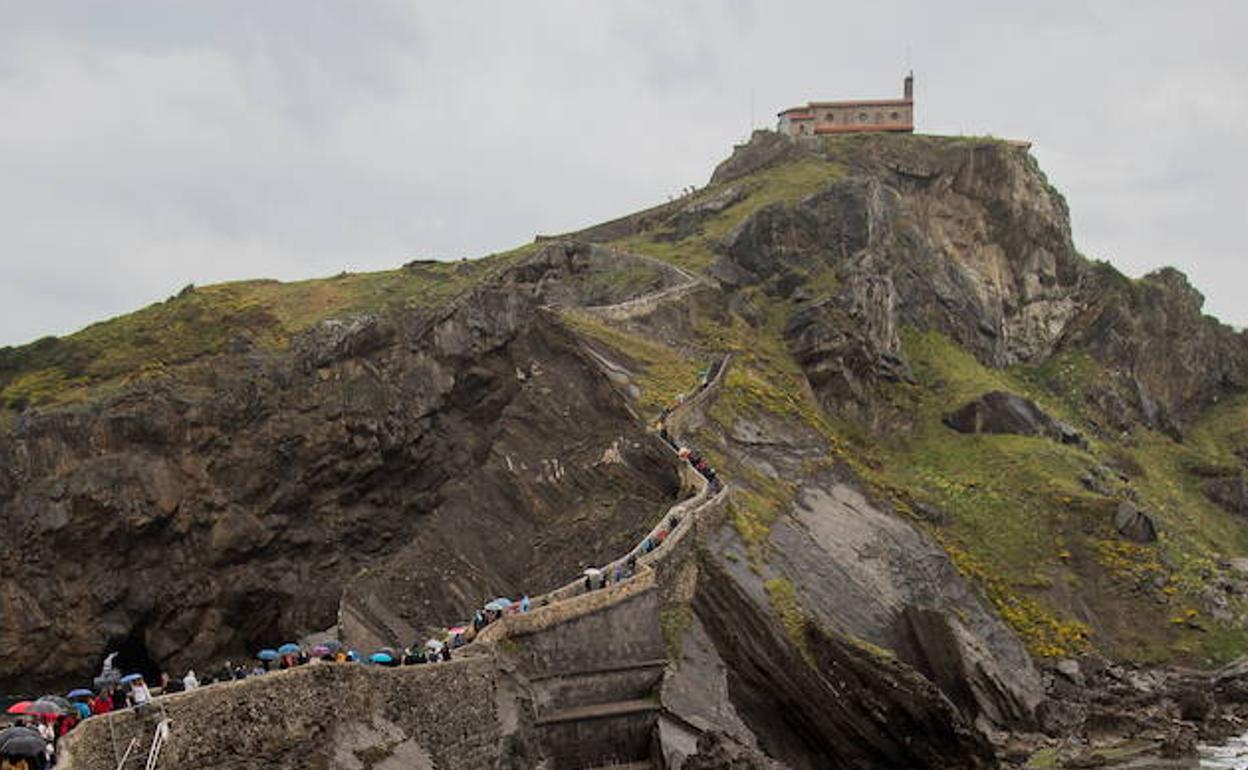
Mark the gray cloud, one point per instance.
(152, 143)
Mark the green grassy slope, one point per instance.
(1019, 521)
(204, 321)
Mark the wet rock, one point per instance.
(1060, 718)
(717, 751)
(1134, 523)
(1230, 683)
(1195, 703)
(1180, 743)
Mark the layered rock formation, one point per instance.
(187, 521)
(881, 590)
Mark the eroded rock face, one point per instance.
(967, 238)
(835, 704)
(182, 522)
(1168, 355)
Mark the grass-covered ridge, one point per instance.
(1039, 542)
(784, 183)
(1019, 521)
(208, 320)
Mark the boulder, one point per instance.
(1229, 493)
(1070, 669)
(1001, 412)
(1179, 743)
(717, 750)
(1195, 703)
(1134, 523)
(1059, 718)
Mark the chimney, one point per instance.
(909, 87)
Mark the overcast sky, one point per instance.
(147, 144)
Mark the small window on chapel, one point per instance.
(862, 117)
(831, 116)
(895, 116)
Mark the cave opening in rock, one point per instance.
(255, 617)
(132, 656)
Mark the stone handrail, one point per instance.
(647, 303)
(685, 511)
(573, 599)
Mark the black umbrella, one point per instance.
(58, 700)
(21, 743)
(47, 707)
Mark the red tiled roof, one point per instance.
(863, 103)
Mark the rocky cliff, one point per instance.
(453, 456)
(936, 414)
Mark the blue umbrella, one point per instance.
(504, 601)
(288, 649)
(128, 678)
(80, 693)
(381, 657)
(267, 655)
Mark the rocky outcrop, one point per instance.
(1134, 523)
(818, 700)
(868, 573)
(717, 751)
(977, 246)
(1169, 358)
(1000, 412)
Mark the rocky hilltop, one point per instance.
(982, 491)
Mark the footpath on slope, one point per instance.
(562, 604)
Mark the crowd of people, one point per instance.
(30, 742)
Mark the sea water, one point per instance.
(1232, 755)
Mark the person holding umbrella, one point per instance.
(23, 748)
(139, 694)
(102, 703)
(80, 699)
